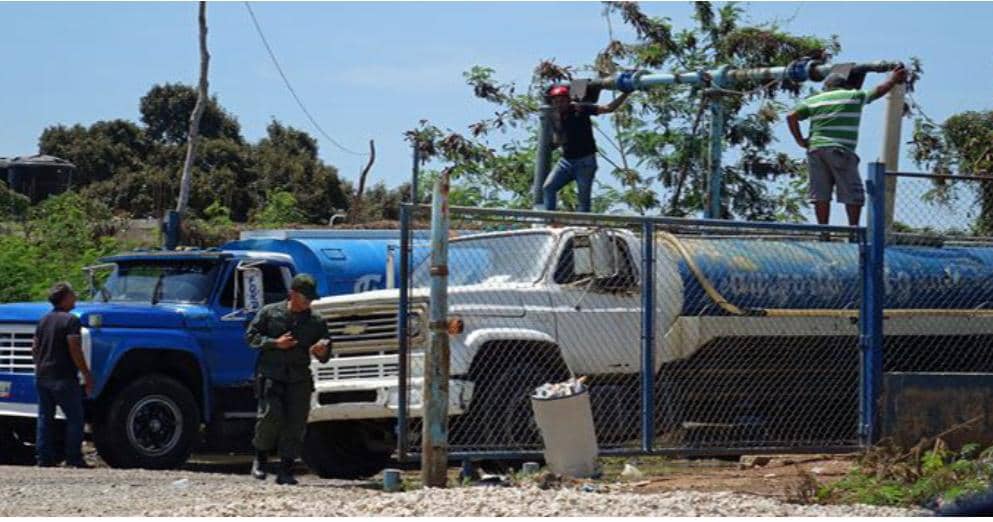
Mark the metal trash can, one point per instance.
(566, 424)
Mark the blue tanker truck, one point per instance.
(164, 338)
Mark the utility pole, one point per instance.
(193, 136)
(434, 434)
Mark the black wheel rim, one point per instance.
(154, 425)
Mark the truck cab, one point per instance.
(163, 333)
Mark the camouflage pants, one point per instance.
(282, 416)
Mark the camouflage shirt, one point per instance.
(269, 324)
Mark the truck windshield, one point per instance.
(517, 258)
(169, 281)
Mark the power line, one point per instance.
(272, 55)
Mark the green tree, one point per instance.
(286, 160)
(962, 144)
(166, 109)
(281, 209)
(100, 152)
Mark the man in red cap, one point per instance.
(574, 133)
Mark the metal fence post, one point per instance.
(403, 333)
(434, 445)
(415, 172)
(647, 336)
(716, 136)
(543, 161)
(873, 299)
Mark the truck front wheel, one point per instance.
(152, 423)
(342, 450)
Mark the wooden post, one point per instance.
(434, 436)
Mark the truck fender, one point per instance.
(464, 349)
(154, 340)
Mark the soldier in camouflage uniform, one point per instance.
(286, 334)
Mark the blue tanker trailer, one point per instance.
(765, 343)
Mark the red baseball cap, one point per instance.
(559, 90)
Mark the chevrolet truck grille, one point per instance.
(15, 348)
(367, 367)
(361, 330)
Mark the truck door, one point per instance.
(598, 321)
(232, 362)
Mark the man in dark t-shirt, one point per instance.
(58, 359)
(574, 133)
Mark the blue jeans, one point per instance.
(580, 170)
(68, 395)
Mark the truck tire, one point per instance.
(338, 450)
(13, 449)
(152, 423)
(500, 414)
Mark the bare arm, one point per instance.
(614, 105)
(76, 352)
(899, 75)
(794, 125)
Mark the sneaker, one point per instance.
(78, 464)
(46, 464)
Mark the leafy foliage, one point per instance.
(62, 235)
(134, 168)
(962, 144)
(659, 136)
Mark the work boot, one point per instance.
(78, 464)
(258, 465)
(285, 475)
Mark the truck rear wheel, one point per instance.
(152, 423)
(340, 450)
(500, 414)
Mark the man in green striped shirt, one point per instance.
(832, 164)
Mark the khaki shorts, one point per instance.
(835, 167)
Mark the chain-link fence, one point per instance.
(939, 274)
(753, 343)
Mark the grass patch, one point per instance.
(886, 476)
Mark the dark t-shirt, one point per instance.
(576, 131)
(51, 350)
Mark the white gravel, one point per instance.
(101, 492)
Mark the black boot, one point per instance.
(285, 475)
(258, 465)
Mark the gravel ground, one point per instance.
(30, 491)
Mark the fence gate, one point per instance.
(751, 342)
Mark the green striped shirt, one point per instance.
(834, 117)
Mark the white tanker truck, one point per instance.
(756, 339)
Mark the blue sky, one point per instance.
(373, 70)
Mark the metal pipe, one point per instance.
(647, 336)
(403, 334)
(434, 438)
(543, 216)
(800, 71)
(543, 161)
(671, 452)
(891, 146)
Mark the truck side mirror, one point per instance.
(253, 291)
(605, 256)
(582, 255)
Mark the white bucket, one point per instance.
(566, 425)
